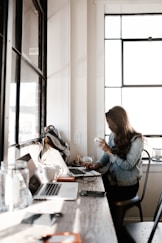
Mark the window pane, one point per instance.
(110, 93)
(153, 142)
(142, 105)
(112, 27)
(30, 44)
(1, 16)
(1, 48)
(12, 106)
(141, 26)
(29, 104)
(15, 27)
(113, 63)
(142, 62)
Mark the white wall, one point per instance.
(75, 101)
(59, 66)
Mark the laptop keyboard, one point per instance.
(51, 189)
(76, 171)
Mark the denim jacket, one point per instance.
(124, 172)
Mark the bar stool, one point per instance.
(122, 206)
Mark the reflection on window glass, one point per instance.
(14, 26)
(12, 105)
(1, 16)
(1, 36)
(142, 62)
(30, 44)
(1, 44)
(29, 100)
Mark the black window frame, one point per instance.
(41, 70)
(3, 46)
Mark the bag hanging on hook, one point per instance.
(53, 138)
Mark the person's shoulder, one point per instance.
(136, 137)
(111, 136)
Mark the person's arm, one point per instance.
(132, 157)
(107, 153)
(106, 147)
(98, 164)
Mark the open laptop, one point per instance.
(57, 190)
(43, 191)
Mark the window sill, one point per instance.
(154, 167)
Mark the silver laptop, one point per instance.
(55, 190)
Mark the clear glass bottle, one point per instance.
(17, 194)
(22, 171)
(3, 205)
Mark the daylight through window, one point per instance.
(133, 73)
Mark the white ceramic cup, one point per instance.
(51, 172)
(87, 159)
(97, 140)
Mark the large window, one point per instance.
(29, 75)
(25, 88)
(133, 71)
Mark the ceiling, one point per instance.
(131, 6)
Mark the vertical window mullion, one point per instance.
(3, 47)
(122, 58)
(18, 45)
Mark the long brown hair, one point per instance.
(118, 121)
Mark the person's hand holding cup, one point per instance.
(98, 140)
(101, 143)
